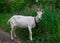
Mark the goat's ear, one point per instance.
(41, 10)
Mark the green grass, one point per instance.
(3, 21)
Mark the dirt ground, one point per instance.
(5, 38)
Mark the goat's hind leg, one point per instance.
(12, 27)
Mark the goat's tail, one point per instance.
(8, 21)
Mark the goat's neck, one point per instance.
(37, 19)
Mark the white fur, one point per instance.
(23, 22)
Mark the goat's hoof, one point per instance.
(31, 39)
(12, 39)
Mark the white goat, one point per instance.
(24, 22)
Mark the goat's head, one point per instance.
(39, 12)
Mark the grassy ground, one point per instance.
(3, 21)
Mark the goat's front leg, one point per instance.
(30, 32)
(14, 32)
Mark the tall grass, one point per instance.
(49, 26)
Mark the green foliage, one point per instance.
(18, 4)
(49, 26)
(4, 6)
